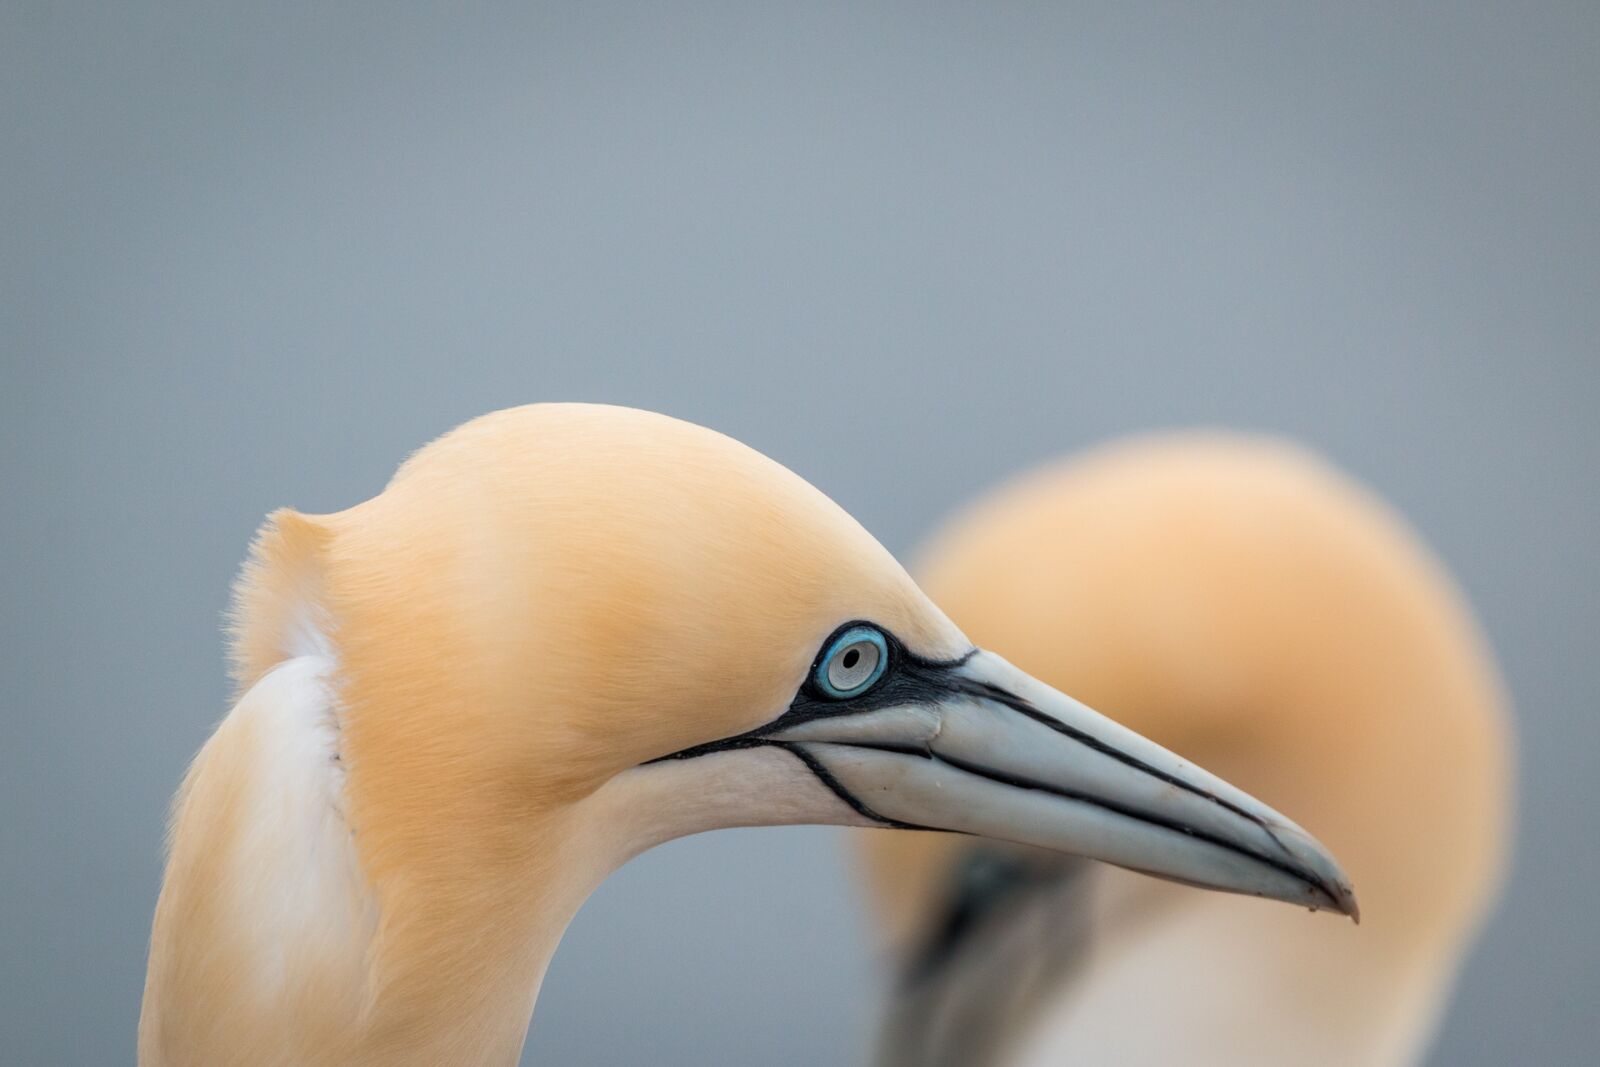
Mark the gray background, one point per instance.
(252, 258)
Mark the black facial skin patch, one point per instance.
(910, 679)
(907, 679)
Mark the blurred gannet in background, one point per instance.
(560, 635)
(1241, 602)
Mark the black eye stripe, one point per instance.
(907, 679)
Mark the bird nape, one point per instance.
(560, 635)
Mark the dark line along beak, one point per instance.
(1002, 755)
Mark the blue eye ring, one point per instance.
(838, 676)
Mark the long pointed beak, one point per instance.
(1002, 755)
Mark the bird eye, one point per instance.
(854, 661)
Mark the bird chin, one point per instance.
(765, 785)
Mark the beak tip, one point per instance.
(1349, 904)
(1329, 887)
(1340, 898)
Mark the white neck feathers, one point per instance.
(265, 915)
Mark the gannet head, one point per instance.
(651, 628)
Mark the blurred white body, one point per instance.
(1220, 982)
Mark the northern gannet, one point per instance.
(560, 635)
(1238, 600)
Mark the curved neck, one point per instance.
(274, 940)
(295, 927)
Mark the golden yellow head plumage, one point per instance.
(601, 585)
(561, 634)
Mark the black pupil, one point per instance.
(851, 658)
